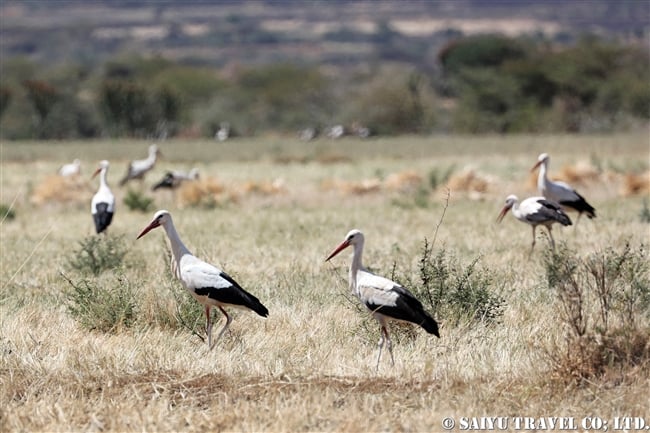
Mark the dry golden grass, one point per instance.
(636, 184)
(309, 366)
(58, 189)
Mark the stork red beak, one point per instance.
(536, 165)
(153, 225)
(96, 172)
(343, 245)
(503, 213)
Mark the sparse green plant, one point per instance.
(605, 305)
(136, 200)
(644, 214)
(102, 304)
(6, 213)
(98, 253)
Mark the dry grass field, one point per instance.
(279, 209)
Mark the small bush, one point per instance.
(103, 305)
(605, 307)
(98, 253)
(135, 200)
(454, 292)
(6, 213)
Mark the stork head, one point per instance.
(154, 151)
(510, 202)
(103, 165)
(541, 159)
(160, 218)
(354, 237)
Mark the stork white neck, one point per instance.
(178, 247)
(357, 263)
(542, 177)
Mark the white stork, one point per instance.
(71, 169)
(174, 179)
(560, 192)
(138, 168)
(536, 211)
(386, 299)
(206, 283)
(102, 205)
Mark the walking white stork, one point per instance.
(174, 179)
(208, 284)
(139, 167)
(536, 211)
(102, 205)
(560, 192)
(71, 169)
(386, 299)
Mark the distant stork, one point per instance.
(102, 206)
(386, 299)
(138, 168)
(174, 179)
(560, 192)
(536, 211)
(71, 169)
(206, 283)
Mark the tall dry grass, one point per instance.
(310, 365)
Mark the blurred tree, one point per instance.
(5, 99)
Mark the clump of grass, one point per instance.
(98, 253)
(135, 200)
(6, 213)
(605, 307)
(102, 304)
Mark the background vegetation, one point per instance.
(266, 69)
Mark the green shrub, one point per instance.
(453, 292)
(98, 253)
(135, 200)
(604, 303)
(102, 304)
(6, 212)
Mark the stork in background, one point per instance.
(536, 211)
(209, 285)
(386, 299)
(560, 192)
(174, 179)
(139, 167)
(102, 206)
(71, 169)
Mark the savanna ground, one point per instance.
(310, 366)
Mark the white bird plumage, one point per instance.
(139, 167)
(102, 205)
(386, 299)
(560, 192)
(71, 169)
(209, 285)
(536, 211)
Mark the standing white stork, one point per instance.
(536, 211)
(560, 192)
(102, 205)
(139, 167)
(71, 169)
(206, 283)
(386, 299)
(174, 179)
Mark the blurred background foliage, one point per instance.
(480, 83)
